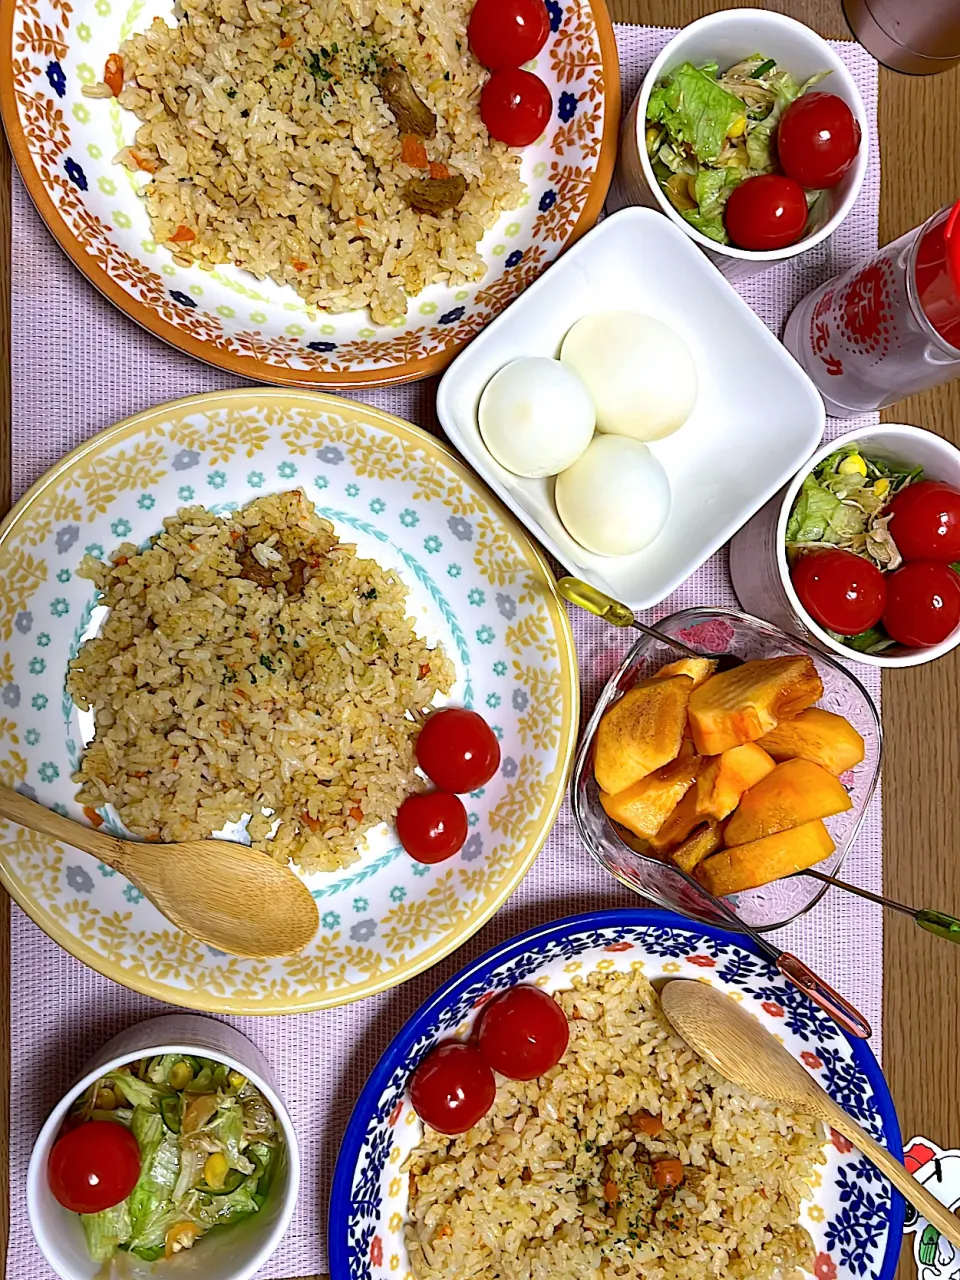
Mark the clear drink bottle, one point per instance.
(887, 328)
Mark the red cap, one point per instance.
(938, 275)
(951, 236)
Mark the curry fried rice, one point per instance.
(561, 1180)
(252, 664)
(332, 145)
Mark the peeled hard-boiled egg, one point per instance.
(615, 499)
(535, 416)
(639, 372)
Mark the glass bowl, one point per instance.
(773, 905)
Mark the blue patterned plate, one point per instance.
(476, 584)
(856, 1221)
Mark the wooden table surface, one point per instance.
(921, 707)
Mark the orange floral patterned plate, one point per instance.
(229, 318)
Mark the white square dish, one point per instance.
(757, 417)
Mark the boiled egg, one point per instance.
(615, 498)
(535, 416)
(639, 373)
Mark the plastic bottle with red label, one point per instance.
(887, 328)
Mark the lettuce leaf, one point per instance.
(675, 160)
(713, 187)
(151, 1201)
(105, 1231)
(213, 1211)
(819, 516)
(139, 1093)
(159, 1068)
(153, 1226)
(228, 1131)
(761, 152)
(695, 110)
(873, 641)
(152, 1254)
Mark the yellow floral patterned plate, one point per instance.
(64, 146)
(477, 585)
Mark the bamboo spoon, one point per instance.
(234, 898)
(736, 1045)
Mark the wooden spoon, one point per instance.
(736, 1045)
(234, 898)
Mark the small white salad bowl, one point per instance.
(233, 1253)
(726, 38)
(758, 553)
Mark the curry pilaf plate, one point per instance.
(65, 144)
(477, 586)
(854, 1221)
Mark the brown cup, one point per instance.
(918, 37)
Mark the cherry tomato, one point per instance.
(452, 1088)
(843, 592)
(432, 827)
(523, 1033)
(923, 603)
(94, 1166)
(925, 521)
(515, 106)
(817, 140)
(766, 212)
(508, 33)
(457, 750)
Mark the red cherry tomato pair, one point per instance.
(458, 751)
(918, 604)
(817, 141)
(923, 597)
(94, 1166)
(515, 105)
(522, 1033)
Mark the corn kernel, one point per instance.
(181, 1073)
(180, 1236)
(236, 1080)
(881, 487)
(215, 1169)
(737, 128)
(853, 466)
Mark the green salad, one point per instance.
(708, 131)
(209, 1143)
(844, 503)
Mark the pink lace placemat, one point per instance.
(78, 366)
